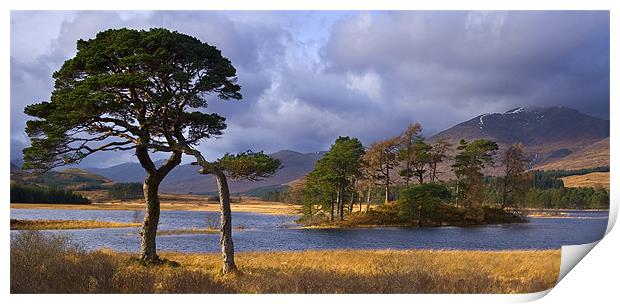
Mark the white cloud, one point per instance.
(368, 83)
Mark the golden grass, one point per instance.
(177, 202)
(593, 180)
(43, 263)
(46, 264)
(379, 271)
(387, 271)
(66, 224)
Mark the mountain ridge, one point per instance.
(548, 134)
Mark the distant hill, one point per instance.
(70, 179)
(548, 134)
(592, 156)
(185, 178)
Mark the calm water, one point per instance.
(272, 232)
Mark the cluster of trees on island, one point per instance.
(406, 177)
(348, 174)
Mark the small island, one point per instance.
(347, 170)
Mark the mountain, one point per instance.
(548, 134)
(185, 178)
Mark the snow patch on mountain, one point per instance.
(515, 111)
(481, 121)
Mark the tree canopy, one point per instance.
(471, 159)
(335, 174)
(128, 89)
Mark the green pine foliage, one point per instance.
(568, 198)
(126, 191)
(420, 203)
(45, 195)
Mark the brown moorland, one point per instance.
(42, 264)
(590, 180)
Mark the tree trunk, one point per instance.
(338, 203)
(387, 185)
(505, 189)
(368, 198)
(331, 211)
(148, 249)
(408, 172)
(420, 215)
(352, 201)
(154, 176)
(387, 193)
(457, 192)
(359, 198)
(433, 171)
(226, 242)
(341, 206)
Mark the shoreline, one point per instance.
(19, 224)
(268, 208)
(563, 210)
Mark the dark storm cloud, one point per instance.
(481, 60)
(308, 77)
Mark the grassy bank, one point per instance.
(66, 224)
(176, 202)
(45, 264)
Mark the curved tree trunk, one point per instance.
(154, 176)
(148, 249)
(226, 242)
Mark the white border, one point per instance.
(595, 278)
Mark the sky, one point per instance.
(308, 77)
